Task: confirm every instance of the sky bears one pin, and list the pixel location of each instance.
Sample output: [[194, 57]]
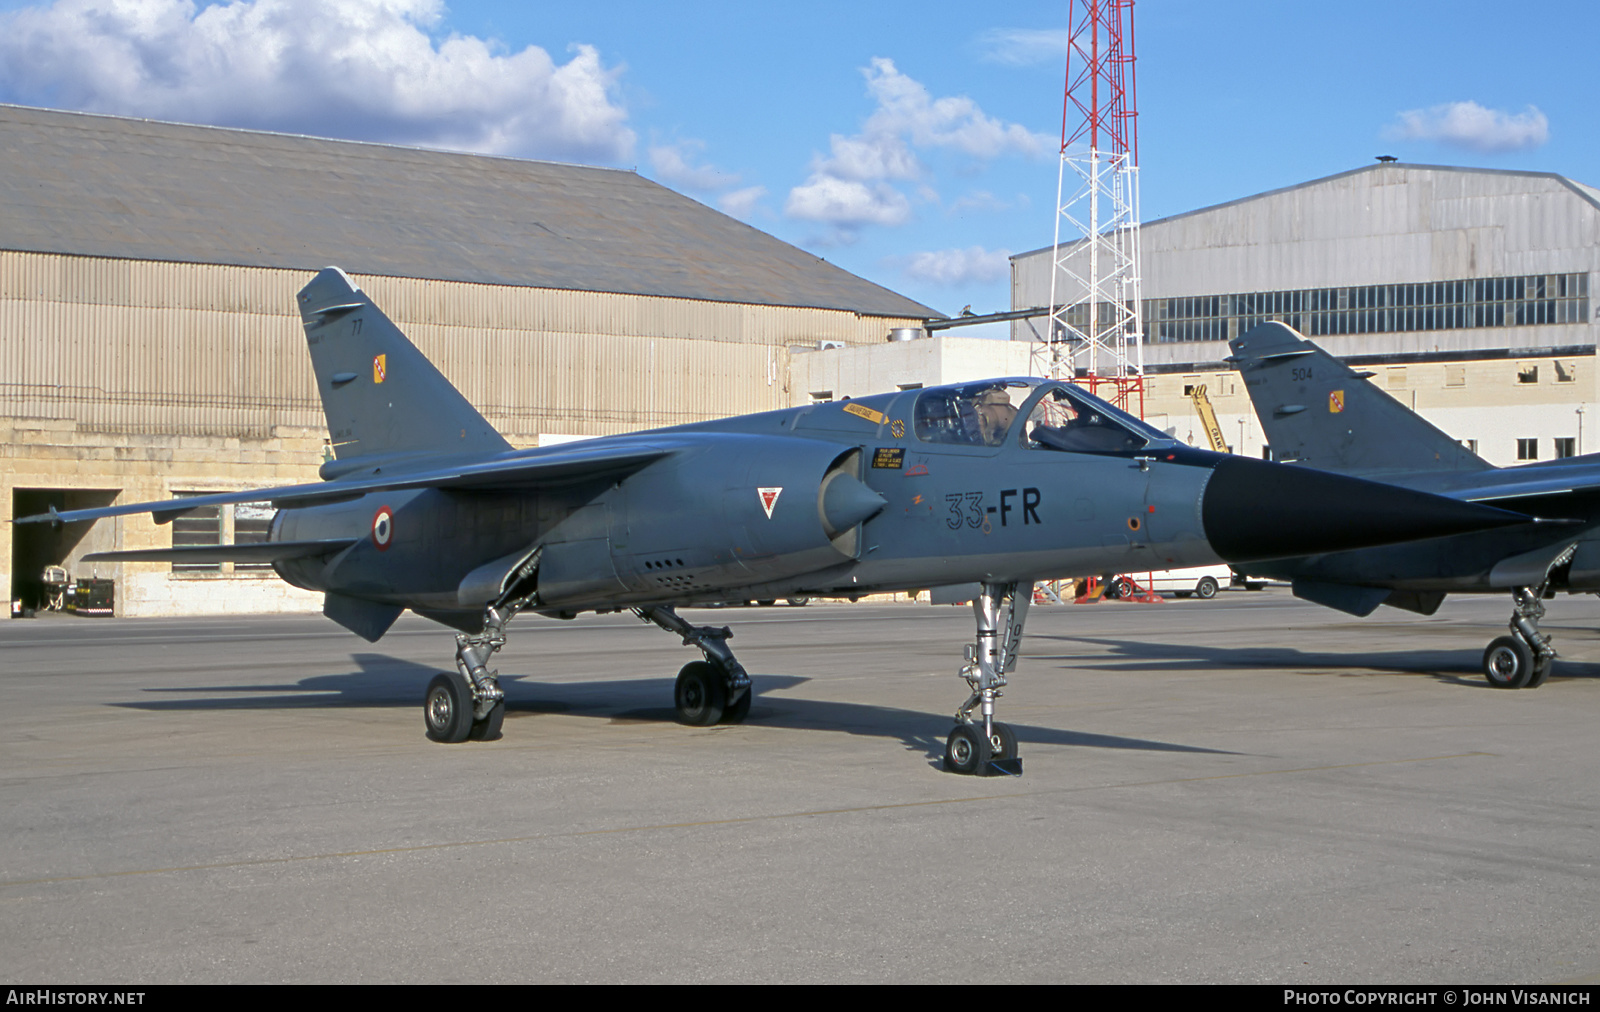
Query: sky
[[916, 144]]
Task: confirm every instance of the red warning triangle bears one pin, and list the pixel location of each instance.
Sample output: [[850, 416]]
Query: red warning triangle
[[769, 498]]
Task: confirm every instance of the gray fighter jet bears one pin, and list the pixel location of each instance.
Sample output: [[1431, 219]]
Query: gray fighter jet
[[1319, 413], [993, 485]]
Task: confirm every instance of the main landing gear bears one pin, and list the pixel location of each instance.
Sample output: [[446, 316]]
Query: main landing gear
[[983, 745], [468, 703], [713, 691], [1523, 659]]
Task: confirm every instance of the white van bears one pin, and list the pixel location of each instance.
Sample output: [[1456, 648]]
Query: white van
[[1200, 581]]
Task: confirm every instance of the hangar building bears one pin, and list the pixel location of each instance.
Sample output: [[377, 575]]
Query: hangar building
[[149, 344], [1465, 291]]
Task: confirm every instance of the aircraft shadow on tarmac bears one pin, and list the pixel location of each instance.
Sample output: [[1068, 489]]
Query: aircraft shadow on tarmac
[[382, 681], [1450, 666]]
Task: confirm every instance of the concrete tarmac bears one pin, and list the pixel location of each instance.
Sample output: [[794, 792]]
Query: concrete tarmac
[[1251, 789]]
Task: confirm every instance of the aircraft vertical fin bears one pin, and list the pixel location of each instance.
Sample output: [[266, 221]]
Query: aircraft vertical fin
[[380, 394], [1317, 411]]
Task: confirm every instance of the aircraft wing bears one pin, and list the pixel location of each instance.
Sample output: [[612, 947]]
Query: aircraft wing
[[1566, 487], [1573, 487], [558, 466], [261, 551]]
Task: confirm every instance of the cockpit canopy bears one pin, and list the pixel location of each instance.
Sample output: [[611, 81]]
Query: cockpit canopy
[[978, 414], [1058, 417]]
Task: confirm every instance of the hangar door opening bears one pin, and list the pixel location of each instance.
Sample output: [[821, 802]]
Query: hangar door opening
[[36, 547]]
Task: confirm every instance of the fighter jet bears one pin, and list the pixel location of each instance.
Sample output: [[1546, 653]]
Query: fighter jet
[[993, 485], [1319, 413]]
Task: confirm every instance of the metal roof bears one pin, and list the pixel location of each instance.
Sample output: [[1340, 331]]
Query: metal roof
[[1380, 172], [89, 185]]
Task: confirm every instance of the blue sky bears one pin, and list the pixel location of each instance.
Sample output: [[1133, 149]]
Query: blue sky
[[915, 144]]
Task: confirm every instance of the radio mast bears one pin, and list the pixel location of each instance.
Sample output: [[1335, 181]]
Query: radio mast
[[1095, 332]]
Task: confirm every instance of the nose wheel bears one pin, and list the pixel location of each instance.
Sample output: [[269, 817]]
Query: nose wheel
[[968, 751]]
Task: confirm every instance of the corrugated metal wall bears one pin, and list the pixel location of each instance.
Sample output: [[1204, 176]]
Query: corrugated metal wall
[[159, 348], [1379, 225]]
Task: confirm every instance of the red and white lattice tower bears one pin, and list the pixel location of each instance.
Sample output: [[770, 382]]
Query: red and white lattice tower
[[1095, 332]]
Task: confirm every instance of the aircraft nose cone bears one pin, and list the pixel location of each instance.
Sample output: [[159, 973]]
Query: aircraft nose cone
[[1254, 510], [846, 502]]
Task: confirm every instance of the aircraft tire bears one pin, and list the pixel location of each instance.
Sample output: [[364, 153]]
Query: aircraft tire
[[1206, 589], [1002, 742], [1541, 671], [799, 602], [488, 729], [1508, 663], [700, 694], [966, 750], [767, 603], [735, 713], [447, 708]]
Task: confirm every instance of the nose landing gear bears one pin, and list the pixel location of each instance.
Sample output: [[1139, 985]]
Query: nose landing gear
[[980, 744]]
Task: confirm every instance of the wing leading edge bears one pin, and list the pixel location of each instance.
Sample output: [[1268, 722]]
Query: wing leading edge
[[263, 551], [565, 465]]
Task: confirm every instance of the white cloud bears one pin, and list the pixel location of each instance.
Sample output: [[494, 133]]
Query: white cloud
[[674, 165], [1470, 125], [359, 69], [879, 156], [906, 108], [1024, 47], [847, 203], [742, 203], [957, 266], [849, 188]]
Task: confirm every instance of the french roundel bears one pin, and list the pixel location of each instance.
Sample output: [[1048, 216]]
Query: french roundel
[[382, 528]]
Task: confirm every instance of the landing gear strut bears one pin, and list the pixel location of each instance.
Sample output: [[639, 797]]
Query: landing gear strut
[[1523, 659], [982, 744], [713, 691], [468, 703]]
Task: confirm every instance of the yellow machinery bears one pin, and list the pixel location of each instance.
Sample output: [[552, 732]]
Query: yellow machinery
[[1208, 418]]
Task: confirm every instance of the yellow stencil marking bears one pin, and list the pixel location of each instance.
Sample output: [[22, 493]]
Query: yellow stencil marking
[[862, 411]]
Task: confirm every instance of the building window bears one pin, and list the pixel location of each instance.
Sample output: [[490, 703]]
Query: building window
[[1527, 449], [246, 523], [252, 522], [821, 396], [1471, 445], [1455, 375], [1528, 373], [1530, 300], [1565, 370], [202, 526], [1566, 446]]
